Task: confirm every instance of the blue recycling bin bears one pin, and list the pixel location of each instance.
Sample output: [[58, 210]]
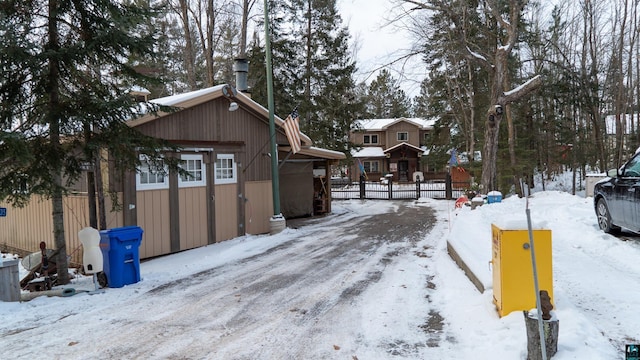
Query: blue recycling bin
[[494, 197], [121, 255]]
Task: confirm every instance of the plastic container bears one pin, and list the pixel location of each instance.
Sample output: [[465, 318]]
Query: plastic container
[[494, 197], [121, 255]]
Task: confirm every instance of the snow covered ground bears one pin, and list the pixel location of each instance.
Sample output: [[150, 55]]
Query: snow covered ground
[[419, 304]]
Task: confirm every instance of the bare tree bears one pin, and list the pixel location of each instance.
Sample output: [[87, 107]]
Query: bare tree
[[499, 99]]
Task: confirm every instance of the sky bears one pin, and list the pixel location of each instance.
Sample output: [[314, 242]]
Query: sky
[[379, 43], [595, 285]]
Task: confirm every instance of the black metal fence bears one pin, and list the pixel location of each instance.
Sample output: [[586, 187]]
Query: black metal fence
[[435, 188]]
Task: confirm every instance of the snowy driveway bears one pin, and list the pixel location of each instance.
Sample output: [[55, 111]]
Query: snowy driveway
[[333, 288]]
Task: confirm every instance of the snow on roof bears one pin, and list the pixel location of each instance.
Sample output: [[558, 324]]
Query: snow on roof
[[368, 152], [382, 124], [139, 89], [178, 98]]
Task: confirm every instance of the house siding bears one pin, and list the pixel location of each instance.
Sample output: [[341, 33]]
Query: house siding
[[23, 229], [212, 125]]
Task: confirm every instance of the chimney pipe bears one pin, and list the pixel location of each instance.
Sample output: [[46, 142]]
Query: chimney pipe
[[241, 68]]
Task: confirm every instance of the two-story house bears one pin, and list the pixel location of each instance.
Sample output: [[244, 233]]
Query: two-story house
[[390, 146]]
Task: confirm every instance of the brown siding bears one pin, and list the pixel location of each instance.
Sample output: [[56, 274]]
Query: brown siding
[[358, 137], [212, 125], [402, 126], [193, 217], [153, 218], [226, 204], [259, 206]]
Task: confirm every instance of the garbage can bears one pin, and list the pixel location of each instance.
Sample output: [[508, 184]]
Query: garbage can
[[9, 280], [121, 256]]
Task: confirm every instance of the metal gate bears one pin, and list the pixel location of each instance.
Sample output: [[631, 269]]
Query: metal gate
[[435, 188]]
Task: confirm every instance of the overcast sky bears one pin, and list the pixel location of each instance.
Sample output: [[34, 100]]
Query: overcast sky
[[378, 43]]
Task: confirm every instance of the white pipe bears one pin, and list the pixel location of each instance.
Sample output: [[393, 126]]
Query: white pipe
[[56, 292]]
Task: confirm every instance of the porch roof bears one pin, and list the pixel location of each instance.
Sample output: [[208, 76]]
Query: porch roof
[[318, 152], [369, 152]]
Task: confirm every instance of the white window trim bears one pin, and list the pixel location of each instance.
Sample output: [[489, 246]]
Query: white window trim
[[193, 183], [402, 132], [231, 180], [154, 186], [370, 163]]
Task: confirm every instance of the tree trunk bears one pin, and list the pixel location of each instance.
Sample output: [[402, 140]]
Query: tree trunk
[[100, 191], [53, 84], [188, 46], [551, 329], [91, 198]]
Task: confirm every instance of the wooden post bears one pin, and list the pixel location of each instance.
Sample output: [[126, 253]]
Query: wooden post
[[551, 330]]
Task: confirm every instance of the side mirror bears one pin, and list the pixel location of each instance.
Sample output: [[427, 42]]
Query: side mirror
[[612, 173]]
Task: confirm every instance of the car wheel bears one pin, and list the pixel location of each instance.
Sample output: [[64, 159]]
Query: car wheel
[[604, 218]]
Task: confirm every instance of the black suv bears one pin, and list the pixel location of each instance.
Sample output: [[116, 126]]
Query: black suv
[[617, 198]]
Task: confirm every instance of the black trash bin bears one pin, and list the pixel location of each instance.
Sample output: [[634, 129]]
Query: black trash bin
[[121, 255]]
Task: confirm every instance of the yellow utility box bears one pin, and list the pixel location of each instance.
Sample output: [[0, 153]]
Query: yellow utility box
[[513, 284]]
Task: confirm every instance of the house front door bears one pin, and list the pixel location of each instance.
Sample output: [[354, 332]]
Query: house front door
[[403, 170]]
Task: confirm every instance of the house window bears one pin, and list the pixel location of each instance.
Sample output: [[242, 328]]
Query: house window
[[151, 176], [225, 169], [403, 136], [371, 166], [371, 139], [194, 165], [426, 138]]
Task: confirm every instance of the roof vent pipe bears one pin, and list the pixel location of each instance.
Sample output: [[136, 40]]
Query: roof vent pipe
[[241, 68]]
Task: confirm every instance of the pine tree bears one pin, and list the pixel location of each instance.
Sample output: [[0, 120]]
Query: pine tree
[[312, 70], [67, 96], [386, 99]]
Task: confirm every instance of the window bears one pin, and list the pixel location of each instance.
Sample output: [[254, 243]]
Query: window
[[196, 168], [151, 176], [225, 169], [371, 139], [371, 166], [403, 136]]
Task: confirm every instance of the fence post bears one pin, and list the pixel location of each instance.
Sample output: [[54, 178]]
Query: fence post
[[447, 186], [418, 188], [390, 184], [362, 186]]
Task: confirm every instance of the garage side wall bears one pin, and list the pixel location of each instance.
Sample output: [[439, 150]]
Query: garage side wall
[[22, 230]]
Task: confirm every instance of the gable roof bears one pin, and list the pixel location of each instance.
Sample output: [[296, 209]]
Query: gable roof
[[415, 148], [383, 124], [197, 97]]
